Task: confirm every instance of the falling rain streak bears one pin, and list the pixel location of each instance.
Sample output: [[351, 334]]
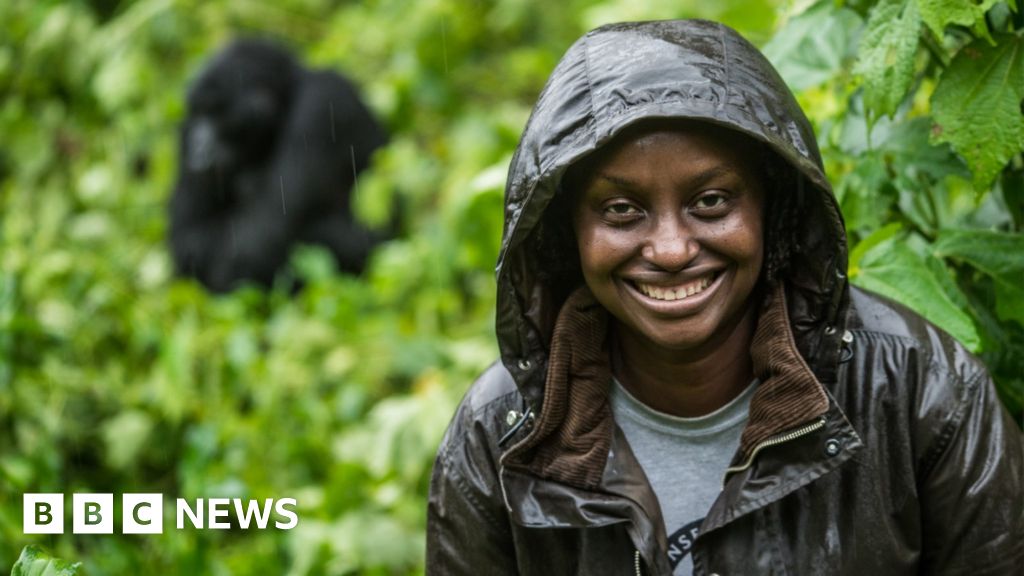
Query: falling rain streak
[[334, 136], [284, 210], [355, 172]]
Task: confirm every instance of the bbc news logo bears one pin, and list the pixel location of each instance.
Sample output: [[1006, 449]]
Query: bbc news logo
[[144, 513]]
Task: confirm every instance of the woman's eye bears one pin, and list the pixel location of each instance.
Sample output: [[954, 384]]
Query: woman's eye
[[621, 209], [710, 201]]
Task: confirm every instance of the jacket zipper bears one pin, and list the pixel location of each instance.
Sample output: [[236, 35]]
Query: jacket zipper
[[773, 441]]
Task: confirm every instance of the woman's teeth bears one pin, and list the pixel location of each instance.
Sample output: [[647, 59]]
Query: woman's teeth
[[677, 292]]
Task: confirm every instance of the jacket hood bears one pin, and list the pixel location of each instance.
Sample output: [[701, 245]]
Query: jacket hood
[[622, 74]]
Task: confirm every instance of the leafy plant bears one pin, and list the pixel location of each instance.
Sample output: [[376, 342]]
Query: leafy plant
[[34, 562], [918, 109]]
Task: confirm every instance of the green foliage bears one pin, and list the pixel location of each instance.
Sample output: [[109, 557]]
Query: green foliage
[[977, 105], [813, 45], [921, 130], [996, 255], [892, 268], [940, 13], [887, 55], [34, 562], [116, 377]]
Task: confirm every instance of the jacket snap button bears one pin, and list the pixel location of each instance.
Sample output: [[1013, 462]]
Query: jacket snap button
[[524, 364], [832, 447], [511, 417]]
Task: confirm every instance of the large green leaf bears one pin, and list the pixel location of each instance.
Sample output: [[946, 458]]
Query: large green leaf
[[35, 562], [809, 50], [895, 270], [937, 14], [887, 55], [996, 254], [977, 105]]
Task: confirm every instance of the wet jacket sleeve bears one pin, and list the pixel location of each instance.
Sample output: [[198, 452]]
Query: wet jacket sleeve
[[467, 526], [972, 496]]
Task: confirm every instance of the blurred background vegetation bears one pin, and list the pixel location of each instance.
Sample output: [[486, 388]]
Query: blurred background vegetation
[[116, 377]]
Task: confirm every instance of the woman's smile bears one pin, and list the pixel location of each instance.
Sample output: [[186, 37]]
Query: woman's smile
[[676, 292], [679, 292]]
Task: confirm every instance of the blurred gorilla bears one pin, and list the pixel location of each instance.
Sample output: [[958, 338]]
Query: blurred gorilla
[[268, 156]]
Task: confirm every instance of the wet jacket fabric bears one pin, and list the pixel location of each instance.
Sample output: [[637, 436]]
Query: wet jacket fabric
[[875, 443]]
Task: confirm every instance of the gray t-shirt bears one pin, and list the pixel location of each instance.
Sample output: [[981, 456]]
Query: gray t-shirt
[[684, 459]]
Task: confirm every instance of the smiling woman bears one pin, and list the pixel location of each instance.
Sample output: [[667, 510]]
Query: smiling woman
[[688, 383]]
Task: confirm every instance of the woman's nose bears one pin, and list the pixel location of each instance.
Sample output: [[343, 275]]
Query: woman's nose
[[670, 246]]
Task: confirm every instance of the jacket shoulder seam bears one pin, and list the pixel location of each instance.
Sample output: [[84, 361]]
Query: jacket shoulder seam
[[459, 482], [926, 350], [964, 386], [951, 426], [883, 334], [476, 411], [456, 476]]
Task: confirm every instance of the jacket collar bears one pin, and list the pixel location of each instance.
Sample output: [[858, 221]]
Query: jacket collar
[[570, 440]]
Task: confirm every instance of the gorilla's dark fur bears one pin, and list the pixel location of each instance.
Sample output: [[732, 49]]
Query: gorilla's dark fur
[[268, 157]]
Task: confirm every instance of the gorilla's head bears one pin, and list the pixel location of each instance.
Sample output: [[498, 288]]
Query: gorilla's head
[[237, 104]]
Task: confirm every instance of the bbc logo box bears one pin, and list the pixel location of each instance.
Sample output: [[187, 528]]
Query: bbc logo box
[[43, 514], [93, 514]]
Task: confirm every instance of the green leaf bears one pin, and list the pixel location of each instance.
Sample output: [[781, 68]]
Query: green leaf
[[864, 246], [998, 255], [887, 55], [809, 50], [976, 105], [938, 14], [894, 270], [35, 562]]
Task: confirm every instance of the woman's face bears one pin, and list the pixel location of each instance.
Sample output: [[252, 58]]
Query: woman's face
[[669, 228]]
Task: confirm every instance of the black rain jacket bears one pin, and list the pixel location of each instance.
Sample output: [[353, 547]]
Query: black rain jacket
[[875, 444]]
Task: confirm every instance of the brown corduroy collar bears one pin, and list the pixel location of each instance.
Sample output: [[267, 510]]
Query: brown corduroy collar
[[570, 440]]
